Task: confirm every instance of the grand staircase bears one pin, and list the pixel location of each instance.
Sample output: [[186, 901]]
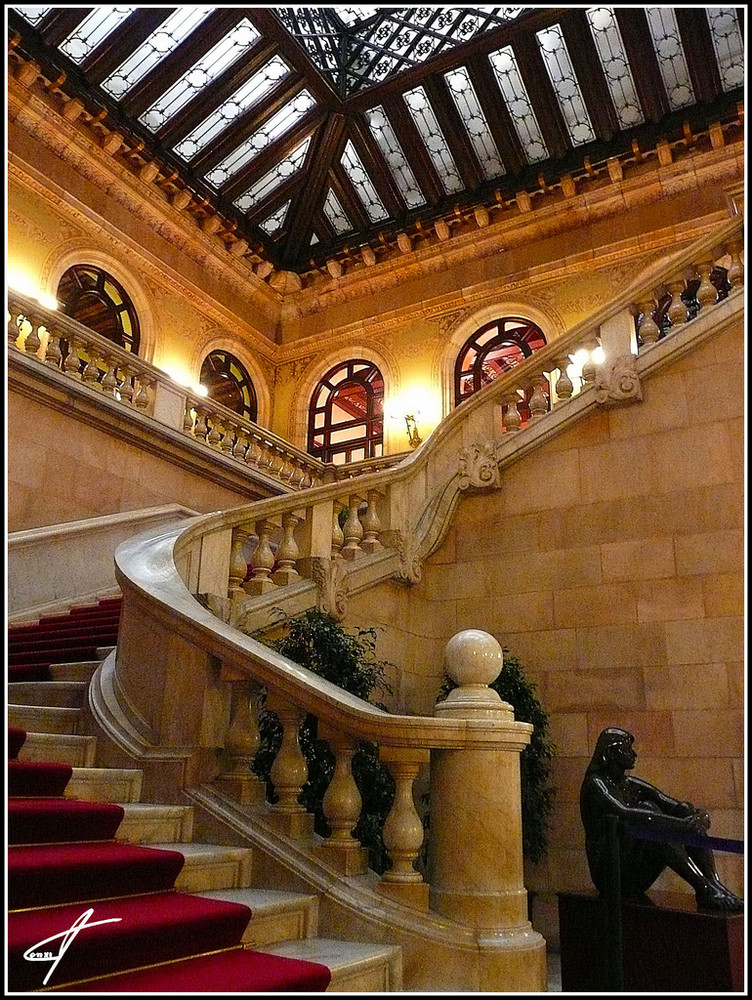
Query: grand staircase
[[182, 916]]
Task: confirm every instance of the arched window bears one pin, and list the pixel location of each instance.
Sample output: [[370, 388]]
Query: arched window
[[227, 382], [493, 350], [346, 415], [94, 298]]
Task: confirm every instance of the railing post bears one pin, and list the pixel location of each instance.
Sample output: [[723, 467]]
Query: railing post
[[289, 771], [403, 830], [287, 551], [342, 804], [262, 561], [241, 744], [353, 529], [476, 823]]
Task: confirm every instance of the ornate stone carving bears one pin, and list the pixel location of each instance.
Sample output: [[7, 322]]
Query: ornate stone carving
[[478, 468], [410, 568], [617, 381], [330, 577]]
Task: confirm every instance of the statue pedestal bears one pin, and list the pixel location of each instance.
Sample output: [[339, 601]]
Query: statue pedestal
[[668, 945]]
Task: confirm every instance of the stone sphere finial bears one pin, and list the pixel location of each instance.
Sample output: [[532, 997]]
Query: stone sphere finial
[[473, 660]]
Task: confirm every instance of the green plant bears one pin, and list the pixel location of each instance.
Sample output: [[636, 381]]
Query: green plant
[[316, 641], [535, 761]]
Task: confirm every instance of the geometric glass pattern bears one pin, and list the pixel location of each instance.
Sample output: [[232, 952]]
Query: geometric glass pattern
[[275, 221], [363, 184], [568, 94], [264, 186], [433, 139], [525, 123], [94, 298], [346, 414], [670, 54], [33, 14], [336, 214], [227, 382], [493, 350], [399, 168], [474, 120], [613, 59], [92, 31], [727, 42]]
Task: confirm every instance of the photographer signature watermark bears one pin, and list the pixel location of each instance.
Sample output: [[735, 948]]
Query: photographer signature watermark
[[37, 953]]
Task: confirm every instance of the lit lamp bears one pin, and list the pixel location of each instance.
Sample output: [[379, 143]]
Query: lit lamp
[[413, 436]]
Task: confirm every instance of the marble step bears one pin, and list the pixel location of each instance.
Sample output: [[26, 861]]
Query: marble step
[[43, 719], [277, 916], [78, 751], [82, 670], [357, 967], [210, 867], [105, 784], [49, 694], [145, 823]]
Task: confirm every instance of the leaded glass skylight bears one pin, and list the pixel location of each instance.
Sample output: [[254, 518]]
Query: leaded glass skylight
[[33, 14], [433, 138], [277, 125], [670, 54], [272, 179], [92, 31], [335, 214], [613, 59], [464, 96], [159, 44], [276, 220], [242, 99], [200, 75], [727, 42], [520, 109], [400, 169], [559, 67], [364, 187]]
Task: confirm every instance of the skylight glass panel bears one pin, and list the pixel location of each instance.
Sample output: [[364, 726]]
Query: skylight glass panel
[[271, 180], [353, 15], [277, 125], [200, 75], [276, 220], [568, 94], [336, 214], [92, 31], [400, 169], [243, 98], [518, 104], [33, 14], [433, 138], [727, 42], [364, 187], [158, 45], [670, 54], [464, 96], [616, 69]]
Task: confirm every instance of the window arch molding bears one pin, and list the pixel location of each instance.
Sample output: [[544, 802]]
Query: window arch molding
[[547, 318], [259, 377], [387, 365], [143, 303]]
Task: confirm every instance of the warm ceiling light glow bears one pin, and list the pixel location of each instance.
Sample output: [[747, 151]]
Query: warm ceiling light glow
[[201, 390], [22, 282]]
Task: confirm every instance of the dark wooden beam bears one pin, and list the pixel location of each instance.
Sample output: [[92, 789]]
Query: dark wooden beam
[[187, 53], [638, 43], [497, 115], [246, 124], [700, 53], [454, 130], [376, 166], [587, 67], [414, 150], [541, 93], [61, 22], [121, 44], [325, 152]]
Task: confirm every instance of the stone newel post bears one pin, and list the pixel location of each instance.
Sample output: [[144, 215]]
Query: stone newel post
[[476, 818]]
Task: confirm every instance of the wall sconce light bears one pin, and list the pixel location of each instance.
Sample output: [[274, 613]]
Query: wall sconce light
[[413, 436]]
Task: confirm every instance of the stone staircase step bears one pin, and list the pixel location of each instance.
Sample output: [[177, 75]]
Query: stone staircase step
[[211, 866], [48, 694], [145, 823], [277, 916], [104, 651], [43, 719], [80, 671], [105, 784], [78, 751], [356, 967]]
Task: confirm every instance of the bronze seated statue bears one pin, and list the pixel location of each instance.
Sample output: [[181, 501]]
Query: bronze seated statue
[[608, 791]]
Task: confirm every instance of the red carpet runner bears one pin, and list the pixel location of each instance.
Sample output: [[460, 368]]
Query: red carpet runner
[[88, 914]]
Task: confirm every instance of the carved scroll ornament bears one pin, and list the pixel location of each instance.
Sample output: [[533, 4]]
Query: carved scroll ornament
[[478, 468], [617, 381], [330, 577]]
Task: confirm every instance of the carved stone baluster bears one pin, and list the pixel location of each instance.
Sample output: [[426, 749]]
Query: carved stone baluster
[[736, 268], [238, 564], [287, 552], [511, 421], [648, 329], [228, 438], [289, 772], [33, 341], [142, 398], [564, 387], [241, 744], [262, 561], [264, 459], [538, 403], [90, 374], [338, 537], [72, 362], [276, 462], [589, 367], [215, 434], [403, 830], [342, 804], [108, 385], [296, 472], [188, 418], [201, 429], [677, 311], [14, 332], [353, 529], [253, 452], [240, 445], [372, 523], [707, 293], [53, 355]]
